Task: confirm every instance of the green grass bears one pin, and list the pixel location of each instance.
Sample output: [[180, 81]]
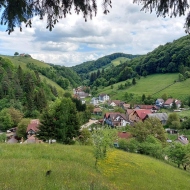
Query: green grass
[[150, 85], [23, 166], [22, 61], [119, 60]]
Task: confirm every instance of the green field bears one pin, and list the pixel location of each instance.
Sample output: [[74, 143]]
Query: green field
[[150, 85], [24, 166], [119, 60], [22, 61]]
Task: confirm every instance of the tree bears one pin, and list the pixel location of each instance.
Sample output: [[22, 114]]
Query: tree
[[16, 115], [178, 154], [22, 127], [5, 120], [103, 139], [186, 123], [150, 126], [16, 53], [60, 119], [173, 117], [18, 11], [167, 8], [134, 81], [47, 130], [164, 97]]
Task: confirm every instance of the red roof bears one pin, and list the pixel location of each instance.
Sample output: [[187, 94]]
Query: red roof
[[169, 101], [33, 127], [142, 113], [124, 135], [146, 106]]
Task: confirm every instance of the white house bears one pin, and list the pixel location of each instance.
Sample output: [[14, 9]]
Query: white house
[[94, 101], [103, 97]]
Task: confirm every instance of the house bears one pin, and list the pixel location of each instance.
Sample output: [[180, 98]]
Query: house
[[147, 107], [169, 102], [122, 135], [159, 102], [114, 103], [125, 106], [12, 140], [32, 127], [103, 97], [163, 117], [139, 115], [116, 119], [94, 101], [97, 111], [182, 139]]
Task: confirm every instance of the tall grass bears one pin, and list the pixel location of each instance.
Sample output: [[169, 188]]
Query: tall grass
[[24, 166]]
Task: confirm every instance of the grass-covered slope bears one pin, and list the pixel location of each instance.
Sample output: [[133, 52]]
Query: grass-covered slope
[[24, 166], [155, 85]]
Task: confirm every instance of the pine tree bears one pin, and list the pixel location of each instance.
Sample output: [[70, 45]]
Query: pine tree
[[47, 129]]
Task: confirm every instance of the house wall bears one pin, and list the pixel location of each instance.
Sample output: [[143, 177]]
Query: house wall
[[134, 117]]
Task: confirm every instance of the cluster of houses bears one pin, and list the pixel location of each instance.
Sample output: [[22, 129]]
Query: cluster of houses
[[135, 114], [31, 131]]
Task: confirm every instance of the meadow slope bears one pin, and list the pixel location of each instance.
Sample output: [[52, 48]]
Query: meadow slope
[[151, 85], [24, 166]]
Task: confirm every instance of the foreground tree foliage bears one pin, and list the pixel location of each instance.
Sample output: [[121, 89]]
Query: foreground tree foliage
[[60, 121], [18, 11]]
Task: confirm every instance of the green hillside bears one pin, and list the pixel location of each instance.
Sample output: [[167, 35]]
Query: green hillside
[[150, 85], [22, 61], [119, 60], [24, 166]]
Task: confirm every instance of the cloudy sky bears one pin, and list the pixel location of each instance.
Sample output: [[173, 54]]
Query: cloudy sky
[[73, 41]]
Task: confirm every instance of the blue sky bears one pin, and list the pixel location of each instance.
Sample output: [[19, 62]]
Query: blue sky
[[73, 41]]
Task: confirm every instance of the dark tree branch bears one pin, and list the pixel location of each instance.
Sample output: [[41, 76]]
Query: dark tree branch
[[172, 8]]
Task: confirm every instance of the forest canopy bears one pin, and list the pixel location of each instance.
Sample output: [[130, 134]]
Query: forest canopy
[[14, 12]]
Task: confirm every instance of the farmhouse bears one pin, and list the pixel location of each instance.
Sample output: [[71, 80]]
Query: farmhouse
[[169, 102], [32, 127], [115, 119], [139, 115]]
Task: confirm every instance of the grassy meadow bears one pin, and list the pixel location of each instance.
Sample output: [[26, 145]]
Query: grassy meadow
[[150, 85], [24, 166], [119, 60]]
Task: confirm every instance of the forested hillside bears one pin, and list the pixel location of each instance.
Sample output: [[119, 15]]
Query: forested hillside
[[169, 58], [89, 66], [23, 90], [63, 76]]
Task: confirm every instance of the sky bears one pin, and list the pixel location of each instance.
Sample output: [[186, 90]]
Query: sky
[[73, 41]]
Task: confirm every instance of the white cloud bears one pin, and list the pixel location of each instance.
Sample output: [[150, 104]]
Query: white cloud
[[73, 41]]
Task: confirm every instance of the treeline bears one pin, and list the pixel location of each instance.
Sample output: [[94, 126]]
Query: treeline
[[63, 76], [23, 90], [89, 66]]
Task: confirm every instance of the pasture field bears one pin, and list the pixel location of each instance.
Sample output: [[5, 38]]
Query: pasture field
[[154, 85], [24, 166]]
